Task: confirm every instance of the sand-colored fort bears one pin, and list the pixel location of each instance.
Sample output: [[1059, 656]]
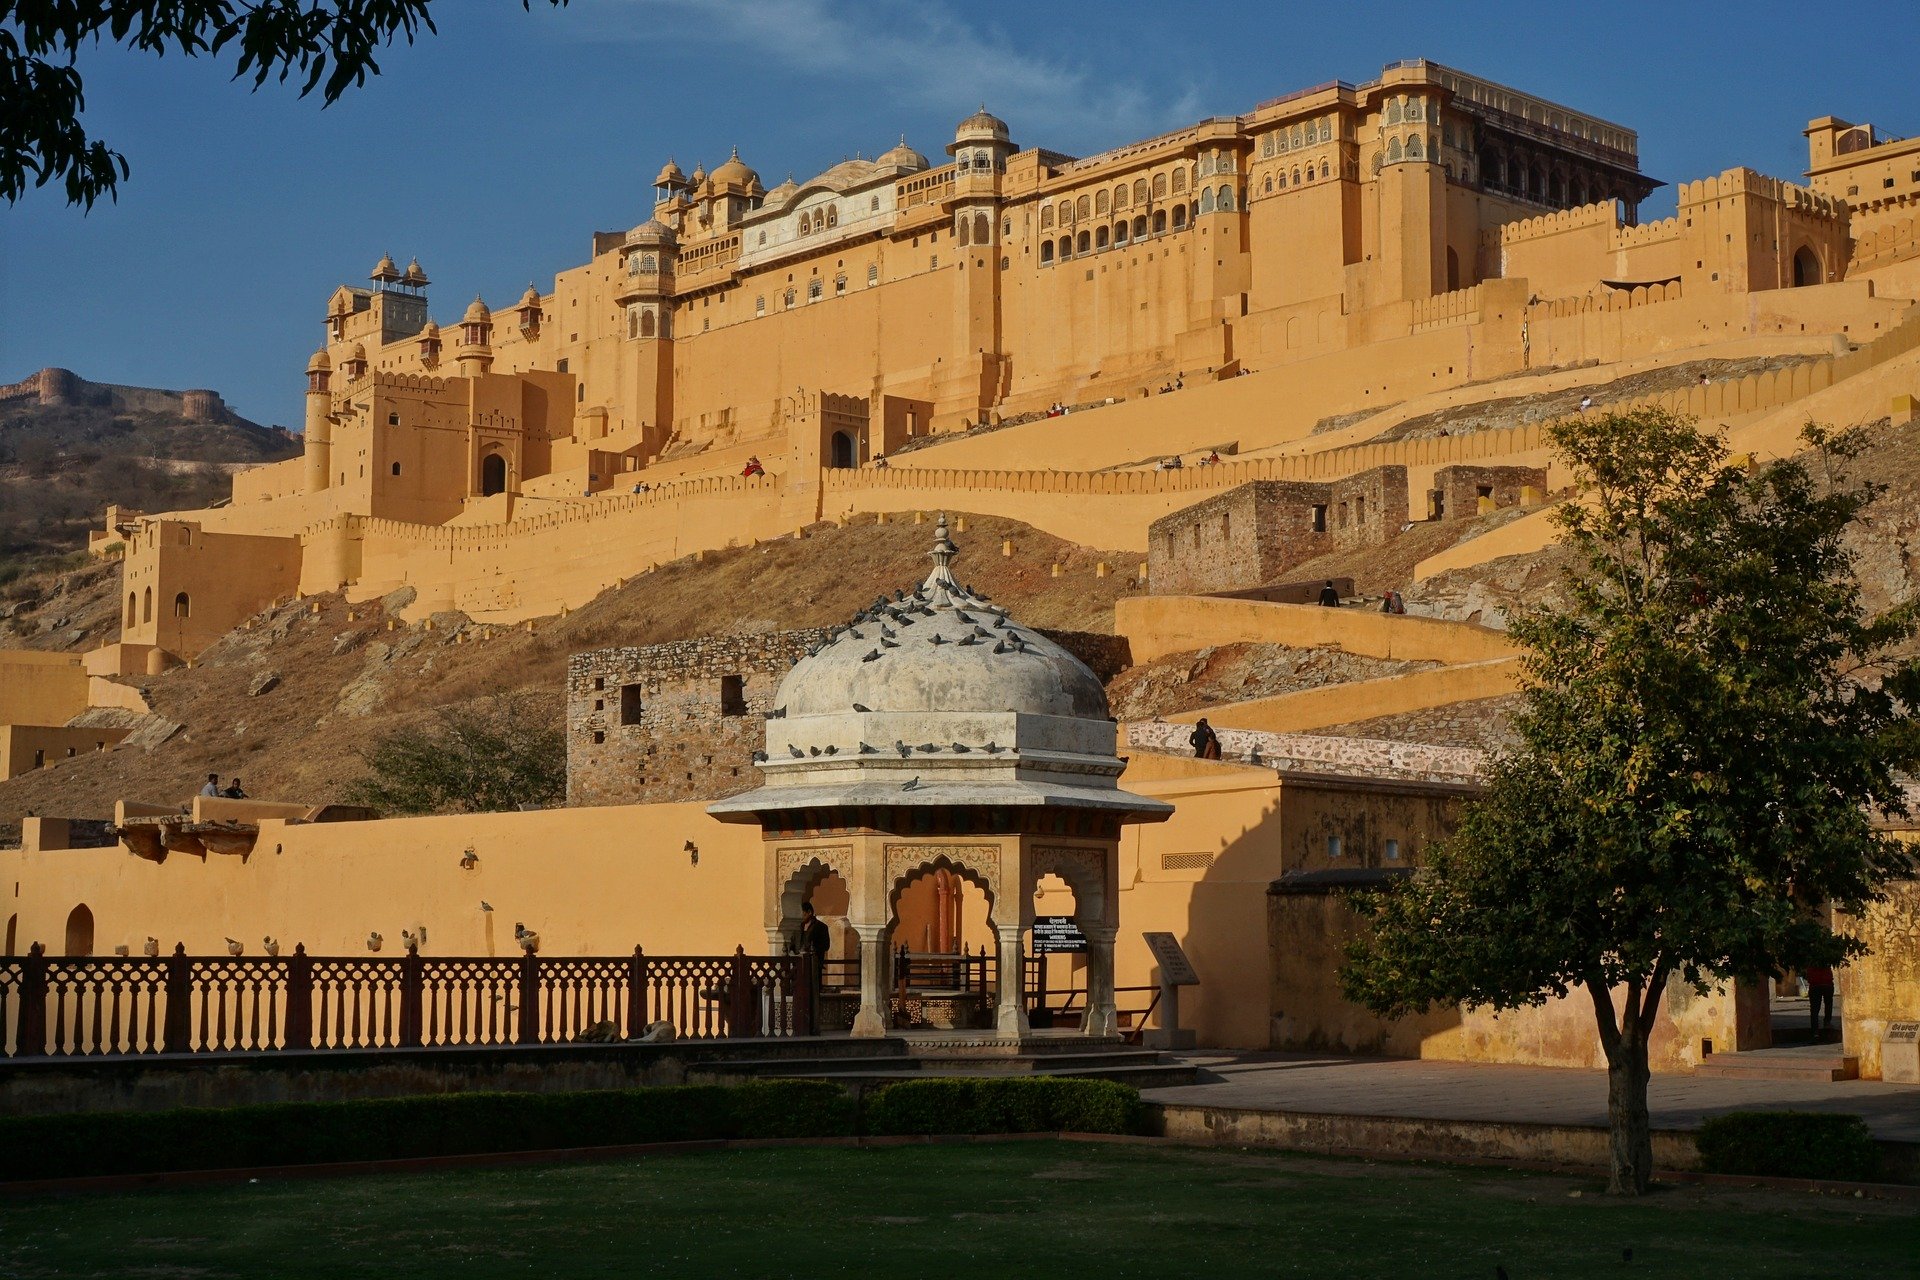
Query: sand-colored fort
[[1282, 288]]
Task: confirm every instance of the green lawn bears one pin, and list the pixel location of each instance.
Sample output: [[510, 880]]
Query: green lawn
[[1043, 1208]]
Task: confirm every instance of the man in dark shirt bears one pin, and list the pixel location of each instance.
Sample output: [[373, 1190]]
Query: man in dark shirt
[[813, 942], [1330, 595]]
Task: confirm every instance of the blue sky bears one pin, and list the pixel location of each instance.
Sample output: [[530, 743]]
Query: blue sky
[[495, 149]]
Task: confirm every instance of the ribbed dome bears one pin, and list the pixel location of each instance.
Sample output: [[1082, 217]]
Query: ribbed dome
[[981, 125], [779, 195], [734, 173], [531, 298], [652, 231], [902, 156], [477, 312], [384, 269], [941, 648], [670, 176], [415, 276], [358, 352], [431, 332], [319, 363]]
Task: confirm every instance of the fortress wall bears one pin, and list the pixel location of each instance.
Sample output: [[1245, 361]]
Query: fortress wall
[[41, 688], [1273, 406], [1308, 709], [271, 481], [1159, 625], [889, 338], [1556, 252], [329, 885], [1106, 320]]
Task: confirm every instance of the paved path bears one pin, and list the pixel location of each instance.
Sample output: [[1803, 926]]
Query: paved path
[[1541, 1095]]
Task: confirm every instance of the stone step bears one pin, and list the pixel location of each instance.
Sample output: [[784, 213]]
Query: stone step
[[1038, 1063], [1766, 1064], [1144, 1071]]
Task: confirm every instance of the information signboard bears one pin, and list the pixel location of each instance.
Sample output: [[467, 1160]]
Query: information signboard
[[1175, 969], [1057, 934]]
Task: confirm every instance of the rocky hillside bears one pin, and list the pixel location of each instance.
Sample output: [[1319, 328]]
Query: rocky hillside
[[289, 703], [69, 448]]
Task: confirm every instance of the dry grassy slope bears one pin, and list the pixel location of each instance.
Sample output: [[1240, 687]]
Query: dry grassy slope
[[1512, 411], [342, 683]]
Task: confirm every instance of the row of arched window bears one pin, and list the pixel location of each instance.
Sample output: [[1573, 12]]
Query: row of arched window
[[1103, 202], [1279, 181], [182, 606], [1310, 133], [820, 219], [974, 230], [1123, 233]]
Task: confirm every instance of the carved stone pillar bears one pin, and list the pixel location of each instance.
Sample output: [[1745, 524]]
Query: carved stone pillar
[[776, 940], [1011, 1017], [871, 1021], [1101, 1019]]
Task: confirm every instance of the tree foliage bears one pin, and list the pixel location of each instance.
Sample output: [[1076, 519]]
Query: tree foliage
[[1711, 724], [486, 757], [328, 45]]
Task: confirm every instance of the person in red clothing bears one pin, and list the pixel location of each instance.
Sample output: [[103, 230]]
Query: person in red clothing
[[753, 468], [1819, 998]]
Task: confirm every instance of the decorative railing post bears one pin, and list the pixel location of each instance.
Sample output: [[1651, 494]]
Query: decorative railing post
[[300, 998], [527, 1031], [412, 979], [178, 1037], [31, 1032], [742, 1017], [805, 986], [983, 971], [903, 969], [637, 995]]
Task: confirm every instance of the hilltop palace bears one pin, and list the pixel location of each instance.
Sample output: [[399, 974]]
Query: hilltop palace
[[1283, 288]]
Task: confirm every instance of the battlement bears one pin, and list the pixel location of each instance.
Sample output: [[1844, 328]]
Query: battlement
[[1604, 214], [1736, 183], [1610, 300]]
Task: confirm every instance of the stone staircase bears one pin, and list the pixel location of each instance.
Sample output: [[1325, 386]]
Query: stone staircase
[[1822, 1062], [945, 1054]]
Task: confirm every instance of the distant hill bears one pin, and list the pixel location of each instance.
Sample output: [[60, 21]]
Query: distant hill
[[70, 447]]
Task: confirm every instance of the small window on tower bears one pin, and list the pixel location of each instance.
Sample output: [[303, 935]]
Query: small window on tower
[[396, 468], [733, 696], [631, 705]]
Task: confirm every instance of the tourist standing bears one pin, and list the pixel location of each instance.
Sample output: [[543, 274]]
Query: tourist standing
[[1330, 595], [1819, 998], [1204, 741]]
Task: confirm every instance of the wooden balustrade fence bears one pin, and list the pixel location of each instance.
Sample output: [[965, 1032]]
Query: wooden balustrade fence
[[69, 1007]]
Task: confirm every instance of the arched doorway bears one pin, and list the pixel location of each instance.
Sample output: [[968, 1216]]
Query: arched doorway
[[816, 882], [1806, 267], [80, 931], [946, 967], [493, 475], [842, 451]]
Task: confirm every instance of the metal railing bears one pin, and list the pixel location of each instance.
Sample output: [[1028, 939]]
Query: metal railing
[[84, 1007]]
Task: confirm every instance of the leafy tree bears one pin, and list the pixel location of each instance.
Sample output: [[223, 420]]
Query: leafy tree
[[328, 45], [484, 758], [1711, 722]]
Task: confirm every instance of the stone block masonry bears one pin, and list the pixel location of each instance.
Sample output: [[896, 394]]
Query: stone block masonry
[[680, 721], [1251, 535]]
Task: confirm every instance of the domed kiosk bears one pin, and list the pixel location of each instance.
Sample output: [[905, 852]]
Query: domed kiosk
[[936, 736]]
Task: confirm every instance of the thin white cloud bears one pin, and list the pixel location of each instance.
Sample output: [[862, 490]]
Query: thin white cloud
[[919, 53]]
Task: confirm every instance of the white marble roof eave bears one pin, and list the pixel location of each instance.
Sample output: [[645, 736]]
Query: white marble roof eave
[[938, 794]]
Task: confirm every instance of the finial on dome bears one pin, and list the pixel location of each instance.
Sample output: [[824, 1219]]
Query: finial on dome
[[941, 580]]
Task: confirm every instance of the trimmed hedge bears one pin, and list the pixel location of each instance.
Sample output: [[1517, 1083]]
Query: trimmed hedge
[[66, 1146], [1790, 1144], [1021, 1104], [292, 1133]]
